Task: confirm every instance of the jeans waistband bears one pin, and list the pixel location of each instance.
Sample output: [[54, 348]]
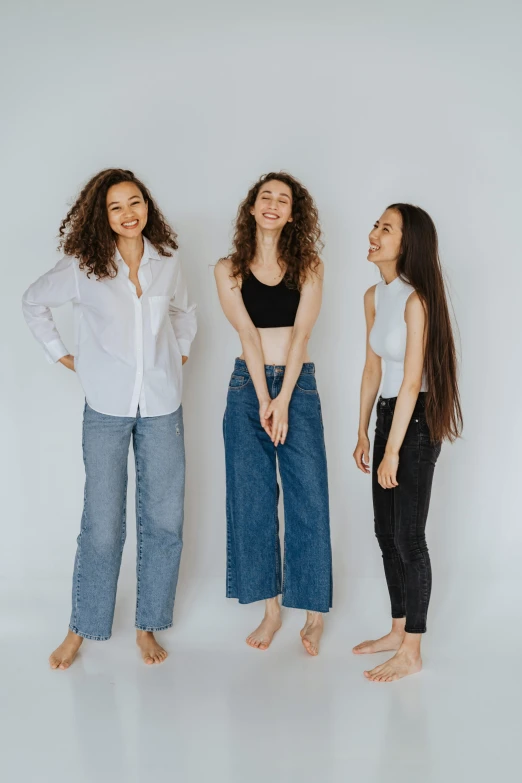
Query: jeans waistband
[[387, 404], [273, 369]]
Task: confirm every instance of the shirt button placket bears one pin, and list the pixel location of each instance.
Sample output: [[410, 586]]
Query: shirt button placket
[[138, 397]]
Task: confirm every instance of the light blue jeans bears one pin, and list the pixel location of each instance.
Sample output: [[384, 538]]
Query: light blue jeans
[[160, 486]]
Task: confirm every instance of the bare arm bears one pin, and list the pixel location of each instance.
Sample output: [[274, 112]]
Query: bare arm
[[306, 316], [415, 318], [236, 312], [371, 380]]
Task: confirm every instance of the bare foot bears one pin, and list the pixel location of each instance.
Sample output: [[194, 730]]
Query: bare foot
[[262, 637], [151, 651], [65, 654], [312, 632], [391, 641], [401, 665]]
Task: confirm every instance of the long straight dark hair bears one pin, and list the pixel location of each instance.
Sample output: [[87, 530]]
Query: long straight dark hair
[[419, 265]]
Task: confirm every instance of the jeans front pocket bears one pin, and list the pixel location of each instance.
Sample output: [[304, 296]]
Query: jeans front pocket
[[307, 383], [159, 308], [238, 381]]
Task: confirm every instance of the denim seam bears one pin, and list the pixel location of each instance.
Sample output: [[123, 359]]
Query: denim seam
[[416, 528], [78, 554], [279, 585], [139, 536], [227, 513], [401, 569]]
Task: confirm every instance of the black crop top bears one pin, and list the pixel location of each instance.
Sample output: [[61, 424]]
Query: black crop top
[[269, 305]]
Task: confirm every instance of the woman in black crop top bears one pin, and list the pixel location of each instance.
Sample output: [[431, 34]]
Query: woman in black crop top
[[270, 289]]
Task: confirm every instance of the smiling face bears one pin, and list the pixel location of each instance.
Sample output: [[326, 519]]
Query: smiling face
[[126, 210], [386, 238], [272, 208]]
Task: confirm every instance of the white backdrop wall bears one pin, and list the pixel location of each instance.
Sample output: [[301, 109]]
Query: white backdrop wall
[[367, 103]]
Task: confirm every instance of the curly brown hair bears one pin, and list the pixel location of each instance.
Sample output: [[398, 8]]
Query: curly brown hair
[[300, 241], [85, 232]]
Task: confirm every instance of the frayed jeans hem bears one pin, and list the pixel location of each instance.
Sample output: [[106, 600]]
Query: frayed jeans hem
[[153, 629], [89, 636], [254, 600]]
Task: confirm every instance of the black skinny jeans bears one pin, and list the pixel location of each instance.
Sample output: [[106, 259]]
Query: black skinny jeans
[[400, 514]]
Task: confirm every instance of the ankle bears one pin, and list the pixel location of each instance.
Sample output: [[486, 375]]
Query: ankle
[[411, 645], [398, 627], [272, 608]]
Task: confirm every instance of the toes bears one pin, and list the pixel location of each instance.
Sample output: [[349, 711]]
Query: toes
[[310, 648], [263, 646]]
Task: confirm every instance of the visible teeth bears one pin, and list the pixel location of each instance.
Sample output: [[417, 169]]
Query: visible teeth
[[132, 223]]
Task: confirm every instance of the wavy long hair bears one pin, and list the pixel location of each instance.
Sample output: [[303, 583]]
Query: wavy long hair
[[300, 241], [85, 232], [419, 265]]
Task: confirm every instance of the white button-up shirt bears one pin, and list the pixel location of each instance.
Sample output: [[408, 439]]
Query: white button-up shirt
[[129, 349]]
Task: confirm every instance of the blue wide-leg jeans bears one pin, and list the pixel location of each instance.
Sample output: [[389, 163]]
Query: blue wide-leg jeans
[[160, 485], [254, 568]]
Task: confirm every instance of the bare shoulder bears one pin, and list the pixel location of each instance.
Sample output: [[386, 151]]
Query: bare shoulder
[[369, 299], [223, 268], [369, 296], [414, 304], [414, 311], [319, 267], [314, 275]]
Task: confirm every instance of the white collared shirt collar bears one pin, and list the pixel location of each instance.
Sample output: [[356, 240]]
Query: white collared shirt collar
[[149, 251]]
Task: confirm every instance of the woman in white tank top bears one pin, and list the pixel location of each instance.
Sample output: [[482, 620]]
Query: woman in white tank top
[[409, 330]]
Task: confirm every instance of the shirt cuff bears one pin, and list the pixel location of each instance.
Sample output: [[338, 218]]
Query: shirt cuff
[[55, 350], [184, 347]]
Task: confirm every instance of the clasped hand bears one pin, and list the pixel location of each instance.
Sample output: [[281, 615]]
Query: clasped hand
[[274, 419]]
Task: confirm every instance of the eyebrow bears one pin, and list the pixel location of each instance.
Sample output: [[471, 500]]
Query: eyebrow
[[384, 224], [117, 202], [279, 194]]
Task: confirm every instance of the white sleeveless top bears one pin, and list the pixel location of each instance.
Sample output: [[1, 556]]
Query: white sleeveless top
[[388, 334]]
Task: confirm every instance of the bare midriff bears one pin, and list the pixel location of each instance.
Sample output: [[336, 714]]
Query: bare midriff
[[275, 343]]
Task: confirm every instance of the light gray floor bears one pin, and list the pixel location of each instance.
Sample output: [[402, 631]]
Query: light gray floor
[[219, 711]]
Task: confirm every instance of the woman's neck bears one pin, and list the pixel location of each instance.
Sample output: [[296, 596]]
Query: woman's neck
[[131, 249], [389, 271], [266, 248]]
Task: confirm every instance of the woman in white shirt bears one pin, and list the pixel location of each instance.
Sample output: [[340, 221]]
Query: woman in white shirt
[[134, 328], [409, 327]]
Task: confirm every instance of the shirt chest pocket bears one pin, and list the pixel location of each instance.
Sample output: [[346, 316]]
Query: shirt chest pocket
[[159, 310]]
